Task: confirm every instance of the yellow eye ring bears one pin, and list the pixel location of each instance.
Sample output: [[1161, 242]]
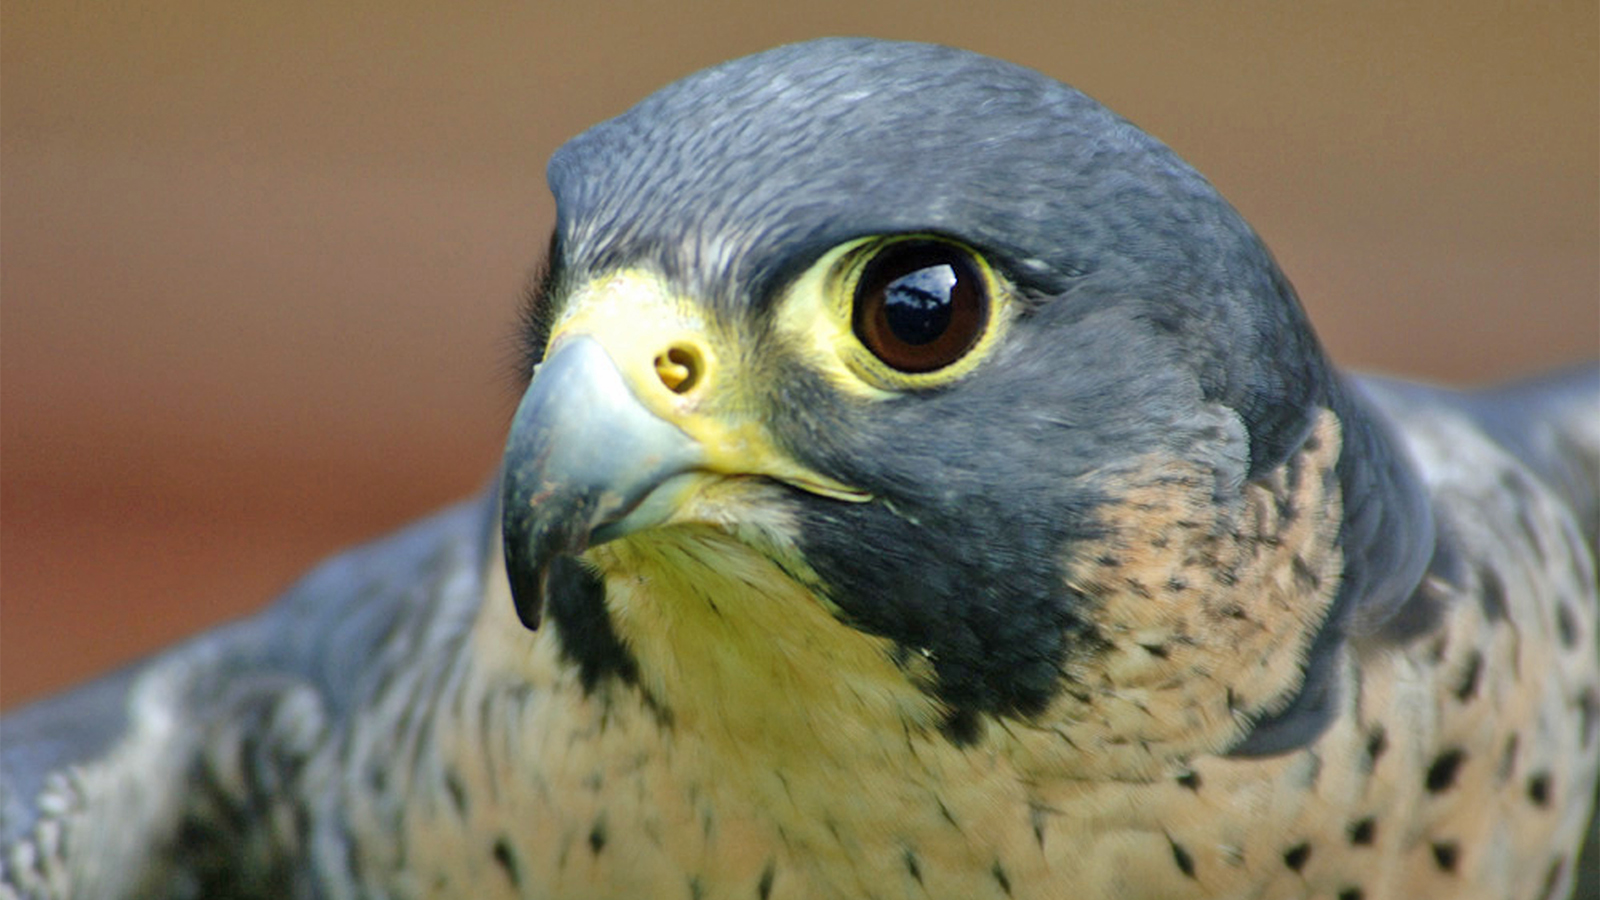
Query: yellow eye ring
[[922, 310]]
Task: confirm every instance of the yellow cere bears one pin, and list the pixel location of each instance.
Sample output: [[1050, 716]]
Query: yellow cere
[[688, 370]]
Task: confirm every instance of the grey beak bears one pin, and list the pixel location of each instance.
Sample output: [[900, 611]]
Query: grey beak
[[582, 461]]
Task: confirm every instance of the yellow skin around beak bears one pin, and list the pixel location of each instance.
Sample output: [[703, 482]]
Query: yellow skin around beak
[[686, 371], [638, 406]]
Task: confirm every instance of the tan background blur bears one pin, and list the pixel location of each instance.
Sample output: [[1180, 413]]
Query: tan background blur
[[259, 261]]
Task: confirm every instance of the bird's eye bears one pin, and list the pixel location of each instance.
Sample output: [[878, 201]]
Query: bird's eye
[[920, 305]]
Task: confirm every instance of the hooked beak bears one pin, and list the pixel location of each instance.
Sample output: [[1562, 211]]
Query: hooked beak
[[586, 462], [637, 405]]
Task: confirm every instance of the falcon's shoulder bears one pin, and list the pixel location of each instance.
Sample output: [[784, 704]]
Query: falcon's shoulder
[[1513, 476], [185, 772], [1512, 479]]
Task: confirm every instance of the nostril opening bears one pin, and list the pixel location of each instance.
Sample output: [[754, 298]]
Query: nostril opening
[[679, 368]]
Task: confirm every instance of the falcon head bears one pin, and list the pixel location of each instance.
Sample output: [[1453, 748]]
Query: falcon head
[[919, 376]]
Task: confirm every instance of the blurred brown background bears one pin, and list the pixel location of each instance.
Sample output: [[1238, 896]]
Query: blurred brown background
[[259, 261]]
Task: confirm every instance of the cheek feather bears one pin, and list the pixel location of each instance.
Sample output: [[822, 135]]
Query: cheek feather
[[1206, 606]]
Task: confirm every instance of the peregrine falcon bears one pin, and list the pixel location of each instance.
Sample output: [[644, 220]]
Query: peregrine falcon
[[927, 485]]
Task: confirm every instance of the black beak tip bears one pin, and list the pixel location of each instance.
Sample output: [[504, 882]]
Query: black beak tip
[[531, 546], [527, 594]]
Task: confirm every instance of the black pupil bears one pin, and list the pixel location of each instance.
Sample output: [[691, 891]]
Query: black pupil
[[917, 306]]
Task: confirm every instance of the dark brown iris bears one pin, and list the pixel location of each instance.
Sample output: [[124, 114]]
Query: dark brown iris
[[920, 305]]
